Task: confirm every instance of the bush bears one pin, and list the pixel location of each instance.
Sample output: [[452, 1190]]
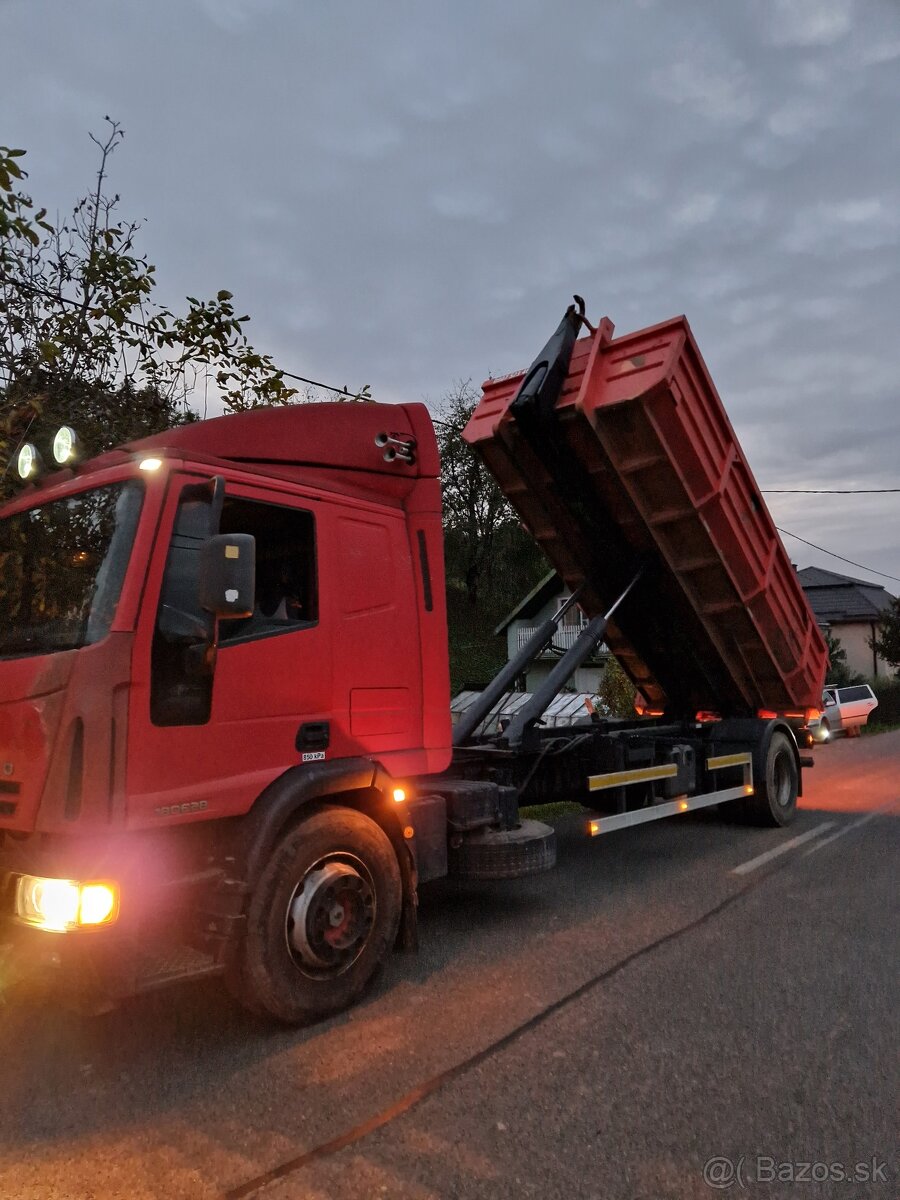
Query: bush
[[616, 693], [888, 693]]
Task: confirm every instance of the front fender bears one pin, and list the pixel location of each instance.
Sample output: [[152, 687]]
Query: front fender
[[277, 806]]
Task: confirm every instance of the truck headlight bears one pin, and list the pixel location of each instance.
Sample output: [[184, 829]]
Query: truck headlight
[[62, 904]]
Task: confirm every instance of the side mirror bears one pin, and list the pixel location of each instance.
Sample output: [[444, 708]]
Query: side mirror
[[830, 702], [228, 575]]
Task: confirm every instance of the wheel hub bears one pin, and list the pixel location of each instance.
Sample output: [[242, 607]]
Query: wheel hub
[[330, 916]]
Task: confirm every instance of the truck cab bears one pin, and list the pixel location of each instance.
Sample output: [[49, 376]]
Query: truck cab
[[148, 743]]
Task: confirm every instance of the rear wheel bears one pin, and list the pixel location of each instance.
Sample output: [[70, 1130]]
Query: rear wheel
[[774, 800], [321, 920]]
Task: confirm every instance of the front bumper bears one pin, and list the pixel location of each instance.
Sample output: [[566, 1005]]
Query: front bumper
[[94, 968]]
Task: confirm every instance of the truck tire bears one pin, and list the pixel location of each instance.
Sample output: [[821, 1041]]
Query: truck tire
[[321, 920], [774, 802]]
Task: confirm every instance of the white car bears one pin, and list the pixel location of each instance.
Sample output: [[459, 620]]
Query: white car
[[844, 710]]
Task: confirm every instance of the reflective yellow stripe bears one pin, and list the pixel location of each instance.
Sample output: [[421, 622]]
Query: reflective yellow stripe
[[728, 760], [597, 783]]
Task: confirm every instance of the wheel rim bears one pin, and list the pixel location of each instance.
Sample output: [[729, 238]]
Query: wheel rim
[[782, 780], [330, 916]]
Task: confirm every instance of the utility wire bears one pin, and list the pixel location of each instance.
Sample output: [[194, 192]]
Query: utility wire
[[47, 295], [316, 383], [831, 554], [343, 391], [828, 491]]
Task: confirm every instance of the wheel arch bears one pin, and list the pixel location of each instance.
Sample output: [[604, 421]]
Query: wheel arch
[[780, 726], [755, 734]]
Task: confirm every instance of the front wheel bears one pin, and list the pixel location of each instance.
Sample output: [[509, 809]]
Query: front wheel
[[321, 919]]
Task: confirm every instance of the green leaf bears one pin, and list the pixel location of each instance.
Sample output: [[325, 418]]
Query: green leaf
[[224, 295]]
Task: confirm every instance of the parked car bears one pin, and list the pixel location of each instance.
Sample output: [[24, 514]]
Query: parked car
[[844, 710]]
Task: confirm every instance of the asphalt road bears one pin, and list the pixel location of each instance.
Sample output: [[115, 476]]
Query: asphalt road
[[660, 1002]]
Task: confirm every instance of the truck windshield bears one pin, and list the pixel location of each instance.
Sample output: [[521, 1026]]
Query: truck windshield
[[61, 569]]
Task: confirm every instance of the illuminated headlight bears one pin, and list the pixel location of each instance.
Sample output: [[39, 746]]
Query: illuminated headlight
[[62, 904]]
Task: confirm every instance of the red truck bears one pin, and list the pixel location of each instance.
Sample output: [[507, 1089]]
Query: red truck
[[224, 688]]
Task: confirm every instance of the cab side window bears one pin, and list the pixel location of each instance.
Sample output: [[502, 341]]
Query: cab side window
[[286, 580]]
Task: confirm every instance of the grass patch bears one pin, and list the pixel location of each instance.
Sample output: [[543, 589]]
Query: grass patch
[[889, 727], [548, 812]]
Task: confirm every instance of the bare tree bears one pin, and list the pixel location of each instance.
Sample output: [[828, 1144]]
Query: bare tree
[[81, 335]]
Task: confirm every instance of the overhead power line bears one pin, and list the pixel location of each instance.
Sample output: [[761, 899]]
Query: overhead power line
[[832, 554], [26, 285], [344, 391], [328, 387], [828, 491]]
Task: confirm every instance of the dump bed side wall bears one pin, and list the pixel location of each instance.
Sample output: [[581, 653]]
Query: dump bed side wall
[[642, 466]]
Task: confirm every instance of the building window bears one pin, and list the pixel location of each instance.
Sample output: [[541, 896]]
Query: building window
[[574, 616]]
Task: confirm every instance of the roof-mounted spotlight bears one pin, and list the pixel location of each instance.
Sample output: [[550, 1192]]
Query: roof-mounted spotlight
[[66, 446], [29, 464]]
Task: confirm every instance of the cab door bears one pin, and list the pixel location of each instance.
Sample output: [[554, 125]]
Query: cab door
[[210, 730]]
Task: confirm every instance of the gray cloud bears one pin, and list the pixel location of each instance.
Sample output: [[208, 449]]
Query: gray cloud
[[407, 194]]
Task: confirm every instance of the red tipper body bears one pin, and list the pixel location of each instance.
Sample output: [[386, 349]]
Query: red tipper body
[[655, 475]]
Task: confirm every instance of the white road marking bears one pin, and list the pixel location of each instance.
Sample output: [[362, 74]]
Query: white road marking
[[762, 859], [848, 828]]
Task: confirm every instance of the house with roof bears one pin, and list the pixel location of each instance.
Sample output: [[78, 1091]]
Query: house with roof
[[519, 625], [850, 610]]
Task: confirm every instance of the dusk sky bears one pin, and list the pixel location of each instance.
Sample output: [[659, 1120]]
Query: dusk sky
[[407, 195]]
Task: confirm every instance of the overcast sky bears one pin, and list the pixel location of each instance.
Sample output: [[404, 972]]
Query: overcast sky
[[407, 194]]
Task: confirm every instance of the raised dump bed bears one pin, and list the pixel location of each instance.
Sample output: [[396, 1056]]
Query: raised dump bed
[[636, 464]]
